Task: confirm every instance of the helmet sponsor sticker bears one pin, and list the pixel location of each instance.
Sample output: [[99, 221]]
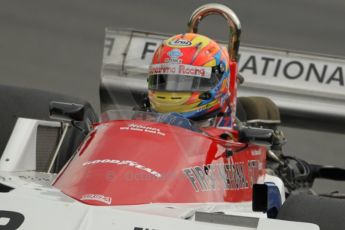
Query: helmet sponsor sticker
[[174, 56], [180, 42], [123, 162], [97, 197], [179, 69], [175, 53], [173, 60]]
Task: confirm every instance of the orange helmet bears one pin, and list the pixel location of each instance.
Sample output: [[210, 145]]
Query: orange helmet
[[189, 74]]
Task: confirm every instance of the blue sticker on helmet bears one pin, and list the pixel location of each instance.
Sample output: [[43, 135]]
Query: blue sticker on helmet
[[175, 53]]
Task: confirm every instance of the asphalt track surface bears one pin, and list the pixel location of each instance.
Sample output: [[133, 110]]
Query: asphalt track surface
[[58, 45]]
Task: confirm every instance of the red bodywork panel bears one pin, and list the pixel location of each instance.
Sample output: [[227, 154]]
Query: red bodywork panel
[[139, 162]]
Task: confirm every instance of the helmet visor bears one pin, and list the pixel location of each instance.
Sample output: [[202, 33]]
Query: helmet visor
[[177, 77]]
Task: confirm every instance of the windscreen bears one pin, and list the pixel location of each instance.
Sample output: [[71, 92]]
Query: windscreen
[[130, 162]]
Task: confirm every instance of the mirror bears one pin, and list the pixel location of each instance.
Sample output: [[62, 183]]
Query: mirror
[[66, 111], [256, 135]]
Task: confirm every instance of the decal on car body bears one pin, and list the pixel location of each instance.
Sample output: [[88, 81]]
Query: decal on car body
[[230, 176], [97, 197], [124, 162], [141, 128]]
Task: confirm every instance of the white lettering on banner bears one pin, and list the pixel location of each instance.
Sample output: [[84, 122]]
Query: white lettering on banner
[[294, 72], [124, 162], [178, 69], [315, 73]]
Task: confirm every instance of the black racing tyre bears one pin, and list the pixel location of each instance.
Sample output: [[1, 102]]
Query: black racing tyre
[[260, 108], [326, 212]]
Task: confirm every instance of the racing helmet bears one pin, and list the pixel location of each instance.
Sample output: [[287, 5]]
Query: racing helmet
[[189, 74]]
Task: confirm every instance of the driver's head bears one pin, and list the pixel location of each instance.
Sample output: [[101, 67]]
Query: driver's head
[[189, 74]]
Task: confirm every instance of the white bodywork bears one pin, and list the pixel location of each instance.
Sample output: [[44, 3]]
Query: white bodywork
[[28, 193], [20, 151], [45, 207]]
